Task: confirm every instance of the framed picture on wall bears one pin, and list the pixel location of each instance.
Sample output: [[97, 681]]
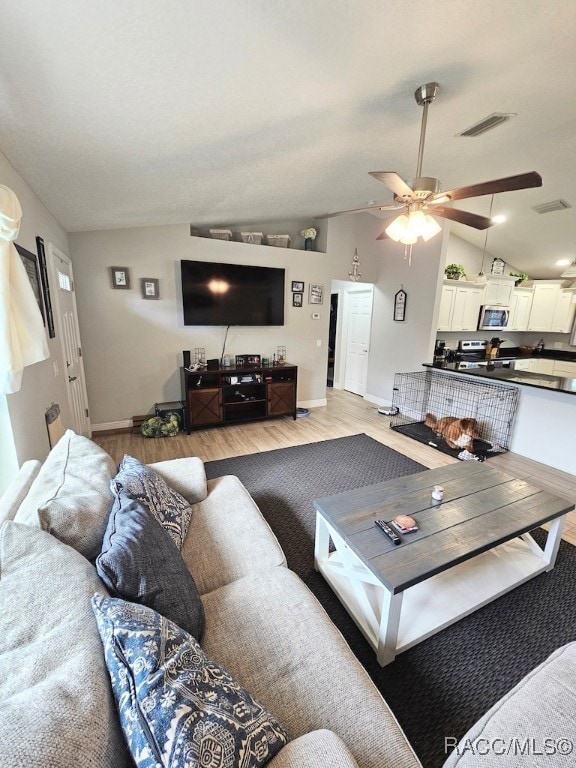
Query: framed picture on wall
[[297, 299], [30, 262], [45, 286], [297, 286], [316, 294], [150, 288], [120, 277]]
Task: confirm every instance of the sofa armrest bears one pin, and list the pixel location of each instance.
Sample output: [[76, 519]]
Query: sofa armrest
[[317, 749], [187, 476], [18, 489]]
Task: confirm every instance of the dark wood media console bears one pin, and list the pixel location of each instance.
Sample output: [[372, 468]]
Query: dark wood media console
[[231, 395]]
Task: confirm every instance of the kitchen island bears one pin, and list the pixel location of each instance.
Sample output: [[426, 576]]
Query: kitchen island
[[545, 421]]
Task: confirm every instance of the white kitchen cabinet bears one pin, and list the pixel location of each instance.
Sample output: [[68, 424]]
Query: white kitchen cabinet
[[446, 307], [520, 306], [460, 306], [499, 290], [563, 314], [466, 309], [543, 306], [544, 365], [564, 368], [529, 364]]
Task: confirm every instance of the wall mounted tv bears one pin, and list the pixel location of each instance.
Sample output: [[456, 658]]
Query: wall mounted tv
[[231, 294]]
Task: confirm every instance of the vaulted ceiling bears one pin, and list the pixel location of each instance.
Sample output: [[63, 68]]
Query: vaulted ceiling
[[218, 112]]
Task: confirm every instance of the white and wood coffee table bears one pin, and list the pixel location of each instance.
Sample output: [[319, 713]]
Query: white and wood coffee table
[[469, 549]]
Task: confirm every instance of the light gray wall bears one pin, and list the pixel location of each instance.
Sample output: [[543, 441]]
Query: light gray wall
[[24, 410], [460, 251], [401, 346], [133, 347]]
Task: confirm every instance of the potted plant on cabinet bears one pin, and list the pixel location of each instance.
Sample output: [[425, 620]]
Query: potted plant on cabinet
[[455, 271], [520, 277]]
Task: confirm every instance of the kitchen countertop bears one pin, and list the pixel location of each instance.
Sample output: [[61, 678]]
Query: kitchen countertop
[[511, 376]]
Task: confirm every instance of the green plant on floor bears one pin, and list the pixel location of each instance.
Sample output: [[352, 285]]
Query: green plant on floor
[[455, 271]]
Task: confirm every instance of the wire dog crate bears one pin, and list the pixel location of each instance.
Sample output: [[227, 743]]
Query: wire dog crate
[[463, 416]]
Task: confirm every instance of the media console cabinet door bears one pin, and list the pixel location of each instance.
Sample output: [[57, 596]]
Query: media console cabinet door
[[281, 398], [205, 406]]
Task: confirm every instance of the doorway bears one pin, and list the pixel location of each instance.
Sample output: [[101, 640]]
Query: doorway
[[66, 317], [350, 322]]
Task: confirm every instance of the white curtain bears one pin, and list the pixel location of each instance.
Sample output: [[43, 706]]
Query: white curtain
[[22, 335]]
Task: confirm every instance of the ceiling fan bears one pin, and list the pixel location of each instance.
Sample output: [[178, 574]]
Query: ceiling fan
[[424, 197]]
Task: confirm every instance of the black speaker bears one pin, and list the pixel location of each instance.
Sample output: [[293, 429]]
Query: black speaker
[[213, 365], [186, 357]]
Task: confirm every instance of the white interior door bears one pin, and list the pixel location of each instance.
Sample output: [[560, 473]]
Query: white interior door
[[358, 340], [67, 322]]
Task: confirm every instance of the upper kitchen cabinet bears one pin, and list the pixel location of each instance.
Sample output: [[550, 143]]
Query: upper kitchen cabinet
[[499, 290], [460, 307], [550, 308], [520, 306], [563, 312]]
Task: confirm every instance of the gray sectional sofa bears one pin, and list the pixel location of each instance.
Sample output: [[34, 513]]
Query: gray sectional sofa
[[262, 624]]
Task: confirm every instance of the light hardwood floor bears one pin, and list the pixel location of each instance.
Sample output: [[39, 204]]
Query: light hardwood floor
[[345, 414]]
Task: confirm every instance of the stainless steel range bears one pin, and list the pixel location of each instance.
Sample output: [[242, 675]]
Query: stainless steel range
[[472, 354]]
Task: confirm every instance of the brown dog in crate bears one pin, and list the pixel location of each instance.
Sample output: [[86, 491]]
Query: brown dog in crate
[[458, 433]]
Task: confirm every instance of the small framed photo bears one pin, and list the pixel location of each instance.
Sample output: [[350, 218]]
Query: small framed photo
[[150, 288], [316, 294], [297, 299], [297, 286], [120, 277], [253, 360]]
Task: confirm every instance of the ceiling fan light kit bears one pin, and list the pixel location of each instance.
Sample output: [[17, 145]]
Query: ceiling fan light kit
[[424, 196]]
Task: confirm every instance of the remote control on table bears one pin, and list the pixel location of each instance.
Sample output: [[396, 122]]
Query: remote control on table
[[385, 528]]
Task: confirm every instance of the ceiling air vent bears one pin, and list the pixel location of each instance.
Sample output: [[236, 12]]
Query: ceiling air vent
[[553, 205], [492, 121]]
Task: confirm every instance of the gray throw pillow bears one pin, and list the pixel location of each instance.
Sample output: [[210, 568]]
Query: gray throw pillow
[[140, 563], [56, 705], [142, 483], [177, 707]]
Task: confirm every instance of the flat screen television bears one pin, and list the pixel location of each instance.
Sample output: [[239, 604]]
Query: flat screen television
[[231, 294]]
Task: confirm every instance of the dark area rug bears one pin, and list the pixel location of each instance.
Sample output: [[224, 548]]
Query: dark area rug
[[439, 688]]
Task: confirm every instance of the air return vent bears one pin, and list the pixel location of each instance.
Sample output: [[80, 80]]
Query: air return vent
[[492, 121], [553, 205]]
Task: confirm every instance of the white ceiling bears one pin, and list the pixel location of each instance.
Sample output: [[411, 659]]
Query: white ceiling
[[217, 112]]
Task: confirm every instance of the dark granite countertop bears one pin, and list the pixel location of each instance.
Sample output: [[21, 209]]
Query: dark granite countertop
[[511, 376]]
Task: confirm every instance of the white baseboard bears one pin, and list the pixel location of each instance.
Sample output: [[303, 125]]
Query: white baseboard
[[313, 403], [377, 400], [127, 424]]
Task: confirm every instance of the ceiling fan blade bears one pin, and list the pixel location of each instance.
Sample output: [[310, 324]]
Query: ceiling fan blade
[[392, 207], [394, 182], [507, 184], [462, 217]]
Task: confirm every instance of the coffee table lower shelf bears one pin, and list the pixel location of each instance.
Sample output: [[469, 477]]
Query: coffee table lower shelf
[[392, 623]]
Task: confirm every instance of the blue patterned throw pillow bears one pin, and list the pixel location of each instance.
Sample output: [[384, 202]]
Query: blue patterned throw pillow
[[142, 483], [177, 708]]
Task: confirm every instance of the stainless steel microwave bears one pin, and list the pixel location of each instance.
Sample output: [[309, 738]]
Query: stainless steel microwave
[[493, 317]]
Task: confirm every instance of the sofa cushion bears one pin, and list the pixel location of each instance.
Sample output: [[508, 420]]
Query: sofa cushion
[[186, 475], [318, 749], [228, 530], [56, 706], [178, 709], [16, 492], [142, 483], [271, 633], [70, 498], [140, 562], [535, 720]]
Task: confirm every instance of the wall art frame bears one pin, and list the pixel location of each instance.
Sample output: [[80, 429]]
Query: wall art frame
[[297, 299], [297, 286], [30, 262], [120, 277], [150, 287], [316, 294], [45, 287]]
